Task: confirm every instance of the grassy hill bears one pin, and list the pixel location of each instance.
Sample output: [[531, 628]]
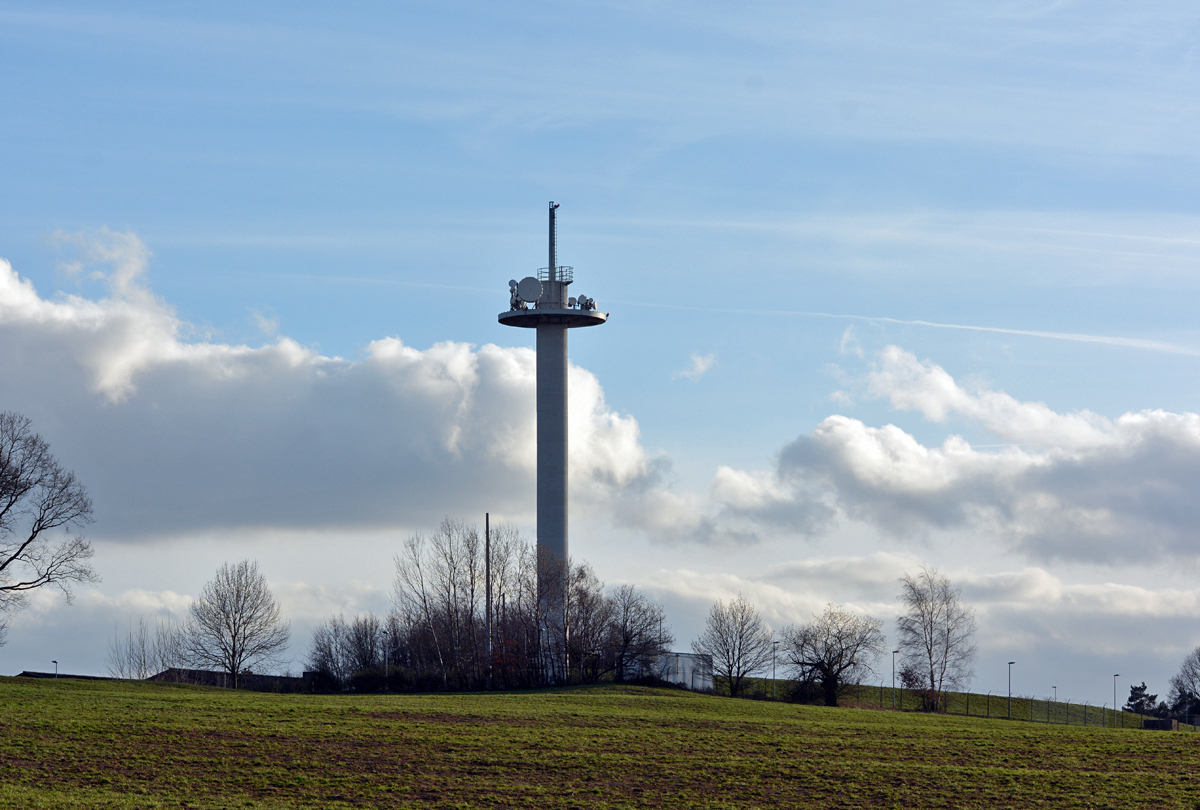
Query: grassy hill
[[124, 745]]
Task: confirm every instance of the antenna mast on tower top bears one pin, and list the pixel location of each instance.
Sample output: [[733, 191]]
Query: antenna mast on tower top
[[553, 243]]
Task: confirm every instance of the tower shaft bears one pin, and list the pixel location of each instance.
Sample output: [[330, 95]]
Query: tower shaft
[[552, 442]]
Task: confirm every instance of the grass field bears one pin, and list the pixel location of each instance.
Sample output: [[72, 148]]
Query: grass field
[[73, 743]]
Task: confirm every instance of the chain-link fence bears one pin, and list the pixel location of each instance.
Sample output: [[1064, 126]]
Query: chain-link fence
[[970, 704]]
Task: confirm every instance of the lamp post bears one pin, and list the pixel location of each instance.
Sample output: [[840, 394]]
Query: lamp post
[[1010, 663], [1055, 688], [774, 647], [55, 669], [894, 652], [1118, 675]]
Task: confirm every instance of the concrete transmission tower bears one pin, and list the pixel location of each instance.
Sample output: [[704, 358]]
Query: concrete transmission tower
[[542, 303]]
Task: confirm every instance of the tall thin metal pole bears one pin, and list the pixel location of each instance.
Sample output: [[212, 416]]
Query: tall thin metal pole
[[894, 678], [1118, 675], [386, 657], [1010, 663], [553, 244], [487, 576], [774, 646]]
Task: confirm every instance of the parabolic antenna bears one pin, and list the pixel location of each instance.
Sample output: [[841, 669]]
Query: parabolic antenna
[[512, 283], [530, 289]]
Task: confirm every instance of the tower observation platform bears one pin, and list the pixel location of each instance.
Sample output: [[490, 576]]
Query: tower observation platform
[[542, 302]]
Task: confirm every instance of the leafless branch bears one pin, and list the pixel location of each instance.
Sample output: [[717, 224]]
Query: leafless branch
[[38, 499]]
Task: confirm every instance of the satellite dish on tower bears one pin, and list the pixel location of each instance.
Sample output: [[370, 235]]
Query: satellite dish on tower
[[530, 289]]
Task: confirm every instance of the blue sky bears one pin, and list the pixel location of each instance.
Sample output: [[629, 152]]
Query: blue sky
[[778, 192]]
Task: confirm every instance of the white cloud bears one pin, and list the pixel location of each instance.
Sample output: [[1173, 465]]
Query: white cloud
[[914, 385], [700, 364], [174, 436], [1076, 485]]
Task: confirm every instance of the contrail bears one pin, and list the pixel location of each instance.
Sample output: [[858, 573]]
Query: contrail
[[1109, 340], [1076, 337]]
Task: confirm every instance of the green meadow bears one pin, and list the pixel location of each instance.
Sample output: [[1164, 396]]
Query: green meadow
[[71, 743]]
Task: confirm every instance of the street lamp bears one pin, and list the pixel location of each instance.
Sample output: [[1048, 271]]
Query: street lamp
[[774, 646], [1010, 663], [1055, 688], [55, 669], [1118, 675], [894, 652]]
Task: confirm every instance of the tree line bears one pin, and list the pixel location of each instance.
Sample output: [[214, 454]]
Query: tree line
[[436, 635], [1183, 700], [839, 648]]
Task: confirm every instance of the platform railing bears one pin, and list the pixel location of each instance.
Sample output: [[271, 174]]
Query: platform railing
[[564, 274]]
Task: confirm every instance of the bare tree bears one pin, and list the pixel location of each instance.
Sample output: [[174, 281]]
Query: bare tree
[[837, 649], [129, 657], [39, 501], [142, 653], [553, 576], [637, 633], [1185, 686], [416, 601], [364, 644], [327, 655], [589, 615], [937, 631], [235, 624], [737, 639], [342, 650]]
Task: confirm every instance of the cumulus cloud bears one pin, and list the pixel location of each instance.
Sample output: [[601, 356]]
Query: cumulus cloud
[[1074, 485], [175, 435], [910, 384]]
